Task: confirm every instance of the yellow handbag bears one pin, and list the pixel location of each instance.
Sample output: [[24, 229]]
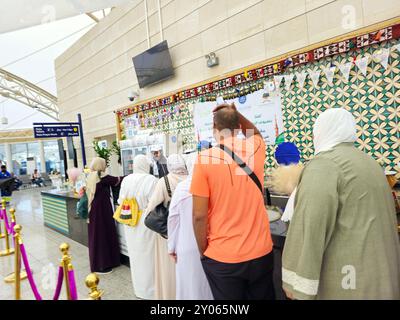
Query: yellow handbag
[[128, 212]]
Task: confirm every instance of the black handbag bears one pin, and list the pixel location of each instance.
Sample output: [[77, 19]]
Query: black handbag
[[157, 219]]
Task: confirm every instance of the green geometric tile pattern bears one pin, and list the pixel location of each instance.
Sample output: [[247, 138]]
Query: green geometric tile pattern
[[373, 99]]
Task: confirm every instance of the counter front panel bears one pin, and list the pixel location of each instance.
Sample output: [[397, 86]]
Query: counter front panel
[[55, 213]]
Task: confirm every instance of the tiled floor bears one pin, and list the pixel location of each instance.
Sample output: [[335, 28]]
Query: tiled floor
[[42, 246]]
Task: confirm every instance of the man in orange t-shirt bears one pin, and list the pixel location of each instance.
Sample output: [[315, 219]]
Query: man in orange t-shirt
[[229, 217]]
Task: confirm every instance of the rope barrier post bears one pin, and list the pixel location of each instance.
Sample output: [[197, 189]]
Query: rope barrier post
[[2, 235], [18, 242], [92, 281], [8, 251], [23, 275], [65, 263]]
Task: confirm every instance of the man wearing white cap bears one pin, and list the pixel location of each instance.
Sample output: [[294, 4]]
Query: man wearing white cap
[[158, 162]]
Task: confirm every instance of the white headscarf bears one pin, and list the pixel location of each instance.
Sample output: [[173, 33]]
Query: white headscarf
[[190, 160], [141, 164], [176, 164], [98, 167], [332, 127], [140, 184]]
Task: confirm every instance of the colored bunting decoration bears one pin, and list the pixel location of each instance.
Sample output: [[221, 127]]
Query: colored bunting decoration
[[382, 57], [329, 72], [288, 81], [345, 70], [314, 75], [278, 81], [301, 78], [362, 64]]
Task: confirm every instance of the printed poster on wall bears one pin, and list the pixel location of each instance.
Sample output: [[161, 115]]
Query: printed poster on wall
[[263, 110]]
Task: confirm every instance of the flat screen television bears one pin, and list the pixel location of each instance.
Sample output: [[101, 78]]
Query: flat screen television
[[153, 65]]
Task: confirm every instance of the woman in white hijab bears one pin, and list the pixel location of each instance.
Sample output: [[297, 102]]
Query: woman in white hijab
[[139, 239], [344, 222], [103, 238], [164, 264], [191, 281]]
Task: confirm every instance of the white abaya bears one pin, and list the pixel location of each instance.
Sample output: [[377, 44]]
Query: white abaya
[[191, 282], [139, 239], [164, 267]]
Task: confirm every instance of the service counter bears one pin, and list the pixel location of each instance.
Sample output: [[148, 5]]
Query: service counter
[[59, 214]]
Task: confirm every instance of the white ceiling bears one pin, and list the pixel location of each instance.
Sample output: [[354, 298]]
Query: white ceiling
[[32, 34], [19, 14]]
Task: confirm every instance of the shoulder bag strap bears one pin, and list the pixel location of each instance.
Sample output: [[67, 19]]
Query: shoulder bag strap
[[243, 165], [168, 186]]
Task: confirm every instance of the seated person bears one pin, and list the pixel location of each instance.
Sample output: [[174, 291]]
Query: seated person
[[37, 178], [17, 181], [4, 174]]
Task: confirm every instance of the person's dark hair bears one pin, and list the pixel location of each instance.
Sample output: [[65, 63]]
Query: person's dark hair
[[3, 167], [226, 117]]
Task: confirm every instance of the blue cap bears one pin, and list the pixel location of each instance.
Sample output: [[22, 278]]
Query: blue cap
[[287, 153]]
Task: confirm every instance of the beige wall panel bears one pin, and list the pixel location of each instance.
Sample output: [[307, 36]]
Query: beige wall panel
[[216, 37], [212, 13], [314, 4], [376, 11], [247, 51], [334, 19], [187, 51], [241, 26], [287, 36], [237, 6], [278, 11]]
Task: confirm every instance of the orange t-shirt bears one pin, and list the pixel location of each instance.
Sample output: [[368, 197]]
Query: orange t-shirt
[[238, 225]]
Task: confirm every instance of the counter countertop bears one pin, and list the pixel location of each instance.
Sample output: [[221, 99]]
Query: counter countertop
[[61, 194]]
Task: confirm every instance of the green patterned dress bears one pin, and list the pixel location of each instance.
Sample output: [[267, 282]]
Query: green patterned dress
[[342, 242]]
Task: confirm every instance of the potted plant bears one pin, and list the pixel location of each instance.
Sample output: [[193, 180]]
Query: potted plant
[[102, 152], [117, 150]]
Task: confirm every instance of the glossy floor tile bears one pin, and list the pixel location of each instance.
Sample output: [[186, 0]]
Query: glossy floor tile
[[42, 246]]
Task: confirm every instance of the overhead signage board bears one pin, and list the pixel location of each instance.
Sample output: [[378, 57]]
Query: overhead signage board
[[56, 131]]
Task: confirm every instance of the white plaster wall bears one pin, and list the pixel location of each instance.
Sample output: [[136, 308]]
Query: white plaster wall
[[95, 75]]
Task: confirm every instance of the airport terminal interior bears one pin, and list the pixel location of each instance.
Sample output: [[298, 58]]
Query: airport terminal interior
[[200, 150]]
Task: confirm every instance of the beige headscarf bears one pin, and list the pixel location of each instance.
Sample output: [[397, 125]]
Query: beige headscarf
[[176, 164], [98, 168]]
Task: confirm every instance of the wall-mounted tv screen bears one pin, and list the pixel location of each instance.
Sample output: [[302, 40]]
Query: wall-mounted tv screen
[[153, 65]]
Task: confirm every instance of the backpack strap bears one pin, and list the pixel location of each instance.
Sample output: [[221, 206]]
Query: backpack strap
[[244, 166]]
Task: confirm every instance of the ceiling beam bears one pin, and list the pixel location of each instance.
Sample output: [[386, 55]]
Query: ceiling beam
[[92, 16], [25, 92]]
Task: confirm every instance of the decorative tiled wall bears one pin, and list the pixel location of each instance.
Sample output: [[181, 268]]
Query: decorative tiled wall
[[373, 99]]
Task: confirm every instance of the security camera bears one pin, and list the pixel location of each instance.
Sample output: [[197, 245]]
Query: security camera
[[133, 94], [212, 60]]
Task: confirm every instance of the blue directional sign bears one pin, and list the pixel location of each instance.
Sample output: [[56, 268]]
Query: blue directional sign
[[56, 130], [61, 130]]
